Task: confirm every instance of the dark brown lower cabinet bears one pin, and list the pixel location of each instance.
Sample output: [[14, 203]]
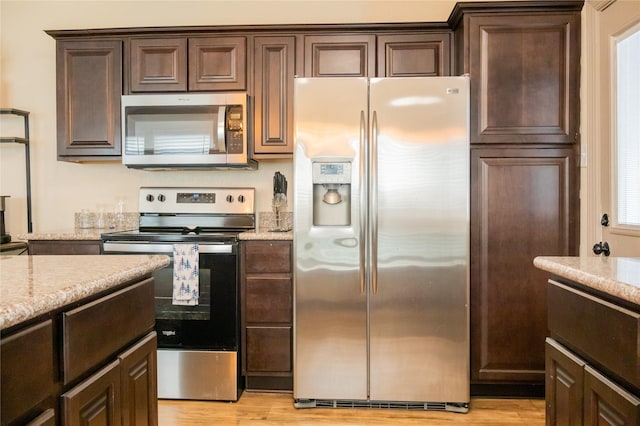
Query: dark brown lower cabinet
[[125, 389], [93, 363], [96, 401], [606, 403], [267, 315], [64, 247], [564, 386], [578, 394], [28, 373], [592, 363], [122, 393], [524, 203], [139, 383]]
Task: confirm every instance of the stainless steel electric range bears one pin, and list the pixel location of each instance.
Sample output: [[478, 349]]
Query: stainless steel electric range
[[198, 339]]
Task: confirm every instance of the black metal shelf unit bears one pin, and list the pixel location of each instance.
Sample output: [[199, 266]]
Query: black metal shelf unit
[[24, 141]]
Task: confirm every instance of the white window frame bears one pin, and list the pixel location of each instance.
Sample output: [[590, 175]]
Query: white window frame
[[616, 227]]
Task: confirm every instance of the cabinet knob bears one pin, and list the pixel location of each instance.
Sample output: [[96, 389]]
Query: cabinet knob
[[601, 247]]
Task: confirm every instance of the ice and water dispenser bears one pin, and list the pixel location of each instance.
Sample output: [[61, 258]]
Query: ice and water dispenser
[[331, 193]]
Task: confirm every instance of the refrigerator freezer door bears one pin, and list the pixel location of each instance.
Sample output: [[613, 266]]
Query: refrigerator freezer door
[[419, 331], [330, 349]]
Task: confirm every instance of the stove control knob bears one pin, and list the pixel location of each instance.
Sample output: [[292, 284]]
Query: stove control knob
[[229, 198], [241, 198], [150, 198], [161, 198]]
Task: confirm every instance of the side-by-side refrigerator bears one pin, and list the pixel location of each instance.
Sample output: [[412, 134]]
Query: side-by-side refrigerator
[[381, 242]]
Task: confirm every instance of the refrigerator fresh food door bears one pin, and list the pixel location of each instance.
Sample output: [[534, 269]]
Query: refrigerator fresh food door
[[330, 301], [419, 349]]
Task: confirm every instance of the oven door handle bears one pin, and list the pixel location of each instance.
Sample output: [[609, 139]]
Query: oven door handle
[[109, 247]]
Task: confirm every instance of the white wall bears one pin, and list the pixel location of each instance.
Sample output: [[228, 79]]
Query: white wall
[[27, 81]]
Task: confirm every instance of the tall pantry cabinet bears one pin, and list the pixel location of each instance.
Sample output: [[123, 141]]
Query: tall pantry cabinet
[[523, 61]]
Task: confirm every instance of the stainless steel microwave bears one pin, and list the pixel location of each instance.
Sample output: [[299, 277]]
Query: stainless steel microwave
[[185, 131]]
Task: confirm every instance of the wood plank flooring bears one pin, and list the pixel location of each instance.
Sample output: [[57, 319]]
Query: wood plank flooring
[[266, 409]]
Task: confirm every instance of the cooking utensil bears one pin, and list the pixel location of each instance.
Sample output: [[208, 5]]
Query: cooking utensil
[[279, 184]]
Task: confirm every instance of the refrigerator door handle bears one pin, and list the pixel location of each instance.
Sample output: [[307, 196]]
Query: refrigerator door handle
[[373, 176], [363, 200]]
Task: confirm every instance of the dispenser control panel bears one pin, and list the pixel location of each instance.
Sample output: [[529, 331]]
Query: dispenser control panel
[[339, 172]]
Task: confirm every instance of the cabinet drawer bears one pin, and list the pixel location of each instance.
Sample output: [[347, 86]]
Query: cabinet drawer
[[268, 257], [95, 331], [611, 338], [269, 300], [63, 247], [269, 349], [27, 367]]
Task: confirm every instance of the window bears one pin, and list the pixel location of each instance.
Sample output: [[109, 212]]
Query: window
[[627, 125]]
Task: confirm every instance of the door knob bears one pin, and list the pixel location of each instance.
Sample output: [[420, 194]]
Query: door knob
[[604, 221], [602, 248]]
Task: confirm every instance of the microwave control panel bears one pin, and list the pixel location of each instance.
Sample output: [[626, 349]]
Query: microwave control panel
[[234, 131]]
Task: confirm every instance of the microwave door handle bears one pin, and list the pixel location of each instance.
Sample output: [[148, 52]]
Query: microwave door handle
[[222, 114]]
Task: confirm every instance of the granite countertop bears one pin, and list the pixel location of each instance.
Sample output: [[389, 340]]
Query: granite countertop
[[266, 222], [68, 234], [34, 285], [617, 276], [264, 234]]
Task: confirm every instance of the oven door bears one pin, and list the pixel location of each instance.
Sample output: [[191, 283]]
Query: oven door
[[212, 324]]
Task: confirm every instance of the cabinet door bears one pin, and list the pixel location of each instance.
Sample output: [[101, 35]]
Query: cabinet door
[[523, 204], [414, 55], [139, 377], [95, 401], [89, 86], [27, 369], [564, 386], [158, 65], [606, 403], [274, 68], [339, 56], [217, 63], [524, 78]]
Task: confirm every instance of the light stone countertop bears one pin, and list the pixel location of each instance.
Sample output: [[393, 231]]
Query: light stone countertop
[[617, 276], [70, 234], [261, 234], [31, 286]]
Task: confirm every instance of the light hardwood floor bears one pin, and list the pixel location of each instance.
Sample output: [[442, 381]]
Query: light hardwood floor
[[266, 409]]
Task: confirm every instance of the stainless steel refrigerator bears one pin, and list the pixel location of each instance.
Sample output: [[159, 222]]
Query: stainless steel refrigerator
[[381, 242]]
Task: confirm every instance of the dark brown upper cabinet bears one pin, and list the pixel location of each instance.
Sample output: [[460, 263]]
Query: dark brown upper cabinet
[[195, 64], [273, 73], [89, 85], [158, 65], [524, 84], [414, 55], [217, 63], [339, 55]]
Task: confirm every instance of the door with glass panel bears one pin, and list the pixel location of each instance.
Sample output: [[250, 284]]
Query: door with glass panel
[[618, 87]]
